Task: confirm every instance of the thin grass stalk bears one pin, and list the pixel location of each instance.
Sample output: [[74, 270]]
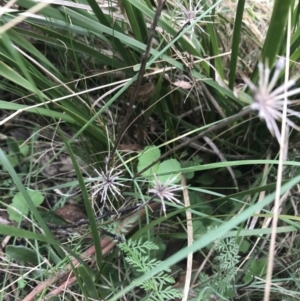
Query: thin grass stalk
[[282, 157]]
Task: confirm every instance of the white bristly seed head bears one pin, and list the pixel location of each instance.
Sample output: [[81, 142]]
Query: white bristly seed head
[[165, 191], [108, 182], [269, 102], [184, 16]]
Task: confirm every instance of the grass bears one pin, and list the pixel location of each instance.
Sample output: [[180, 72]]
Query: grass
[[133, 165]]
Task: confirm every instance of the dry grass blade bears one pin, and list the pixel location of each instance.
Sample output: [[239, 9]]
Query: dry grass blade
[[190, 240], [282, 155]]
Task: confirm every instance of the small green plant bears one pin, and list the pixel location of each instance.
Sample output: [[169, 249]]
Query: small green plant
[[162, 176], [20, 207], [225, 270], [257, 268], [164, 171], [158, 287]]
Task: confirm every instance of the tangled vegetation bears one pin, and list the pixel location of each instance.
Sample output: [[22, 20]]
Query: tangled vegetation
[[149, 150]]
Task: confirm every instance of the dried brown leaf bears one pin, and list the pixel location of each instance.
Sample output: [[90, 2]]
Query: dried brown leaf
[[144, 92]]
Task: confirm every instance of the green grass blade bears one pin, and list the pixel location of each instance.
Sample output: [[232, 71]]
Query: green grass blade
[[187, 46], [17, 232], [4, 105], [135, 26], [207, 239], [214, 45], [88, 282], [51, 37], [236, 41], [17, 36], [87, 203], [276, 31], [118, 45], [20, 186], [12, 75]]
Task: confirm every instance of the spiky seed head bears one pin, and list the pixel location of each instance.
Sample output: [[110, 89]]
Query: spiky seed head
[[108, 182], [269, 102], [165, 191]]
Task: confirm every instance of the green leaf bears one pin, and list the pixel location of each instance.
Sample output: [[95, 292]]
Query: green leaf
[[168, 166], [19, 204], [205, 179], [88, 281], [199, 203], [50, 217], [195, 161], [13, 146], [21, 253], [17, 208], [150, 154], [12, 160], [245, 246], [21, 283], [24, 149], [257, 268], [198, 227]]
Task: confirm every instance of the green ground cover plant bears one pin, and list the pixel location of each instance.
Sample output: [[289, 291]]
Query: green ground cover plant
[[149, 150]]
